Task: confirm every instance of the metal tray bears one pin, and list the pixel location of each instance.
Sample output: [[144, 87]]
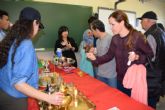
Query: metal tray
[[81, 102]]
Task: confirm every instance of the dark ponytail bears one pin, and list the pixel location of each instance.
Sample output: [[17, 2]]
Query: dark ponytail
[[5, 45]]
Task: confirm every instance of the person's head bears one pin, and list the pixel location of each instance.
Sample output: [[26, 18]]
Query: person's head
[[119, 23], [148, 19], [63, 32], [26, 27], [97, 27], [91, 19], [118, 20], [4, 20], [31, 19], [88, 37]]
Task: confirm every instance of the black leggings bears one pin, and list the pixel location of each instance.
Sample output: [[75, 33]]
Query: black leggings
[[8, 102]]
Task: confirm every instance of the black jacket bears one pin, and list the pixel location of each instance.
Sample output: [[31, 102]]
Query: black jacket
[[159, 36]]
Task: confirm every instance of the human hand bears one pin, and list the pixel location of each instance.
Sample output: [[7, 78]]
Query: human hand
[[56, 98], [133, 56], [92, 50], [10, 25], [68, 45], [90, 34], [91, 56]]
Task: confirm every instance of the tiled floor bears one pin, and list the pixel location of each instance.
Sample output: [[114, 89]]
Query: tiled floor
[[161, 104]]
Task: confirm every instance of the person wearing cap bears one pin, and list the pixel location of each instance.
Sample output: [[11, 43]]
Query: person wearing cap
[[155, 37], [4, 23], [18, 64]]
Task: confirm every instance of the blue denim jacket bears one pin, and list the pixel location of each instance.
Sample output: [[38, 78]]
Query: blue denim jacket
[[25, 69]]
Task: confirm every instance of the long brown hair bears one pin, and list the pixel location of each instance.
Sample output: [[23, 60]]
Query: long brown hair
[[119, 16], [21, 30]]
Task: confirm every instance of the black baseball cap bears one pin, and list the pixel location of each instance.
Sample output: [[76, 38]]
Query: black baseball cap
[[29, 13], [149, 15]]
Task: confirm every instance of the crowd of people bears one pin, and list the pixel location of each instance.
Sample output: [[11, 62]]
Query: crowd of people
[[103, 56]]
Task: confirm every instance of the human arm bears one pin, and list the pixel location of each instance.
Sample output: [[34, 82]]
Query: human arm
[[72, 45], [152, 42], [106, 57], [55, 98], [141, 49], [81, 48], [92, 50], [57, 45], [25, 74]]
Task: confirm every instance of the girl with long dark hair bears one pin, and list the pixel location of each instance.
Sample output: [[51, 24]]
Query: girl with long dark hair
[[66, 43], [18, 64]]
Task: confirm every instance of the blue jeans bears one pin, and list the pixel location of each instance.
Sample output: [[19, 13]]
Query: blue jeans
[[152, 101], [110, 81], [8, 102], [95, 70]]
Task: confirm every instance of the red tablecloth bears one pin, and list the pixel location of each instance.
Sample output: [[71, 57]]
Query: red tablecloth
[[103, 96]]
